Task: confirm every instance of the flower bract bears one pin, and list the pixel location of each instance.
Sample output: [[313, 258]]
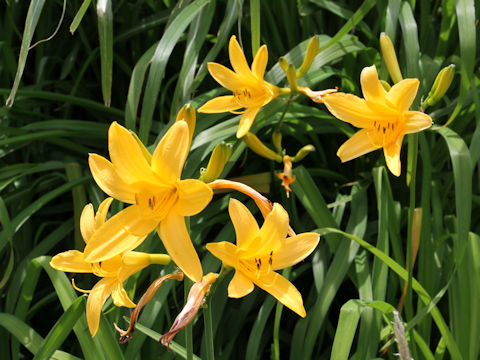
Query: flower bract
[[260, 251], [384, 117]]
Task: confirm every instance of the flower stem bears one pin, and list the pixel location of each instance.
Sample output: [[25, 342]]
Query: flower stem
[[187, 284], [207, 318], [278, 317]]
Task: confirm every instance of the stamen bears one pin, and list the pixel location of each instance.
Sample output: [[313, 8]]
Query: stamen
[[78, 289]]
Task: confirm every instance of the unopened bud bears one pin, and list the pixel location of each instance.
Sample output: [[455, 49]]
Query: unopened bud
[[283, 62], [139, 258], [254, 143], [277, 140], [187, 113], [219, 158], [390, 57], [146, 154], [440, 85], [304, 151], [292, 78], [312, 51], [385, 85]]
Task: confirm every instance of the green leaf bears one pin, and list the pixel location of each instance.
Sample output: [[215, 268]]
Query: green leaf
[[105, 37]]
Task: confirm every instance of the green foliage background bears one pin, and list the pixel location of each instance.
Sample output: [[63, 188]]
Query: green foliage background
[[144, 60]]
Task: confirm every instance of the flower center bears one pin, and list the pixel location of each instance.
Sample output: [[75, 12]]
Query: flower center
[[258, 266], [157, 205], [384, 132], [251, 96]]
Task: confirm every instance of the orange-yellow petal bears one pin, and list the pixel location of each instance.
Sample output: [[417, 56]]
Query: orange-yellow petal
[[225, 77], [127, 156], [392, 156], [402, 94], [372, 89], [170, 154], [246, 227], [100, 293], [220, 104], [193, 196], [175, 238], [296, 249], [110, 182], [120, 297], [237, 58], [122, 232], [246, 121], [283, 290], [416, 121], [102, 212], [260, 62], [87, 222], [71, 261], [272, 233], [351, 109], [240, 286], [225, 251], [356, 146]]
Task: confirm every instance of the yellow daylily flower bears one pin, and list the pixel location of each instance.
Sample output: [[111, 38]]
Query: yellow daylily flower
[[160, 199], [250, 91], [383, 116], [114, 271], [261, 251]]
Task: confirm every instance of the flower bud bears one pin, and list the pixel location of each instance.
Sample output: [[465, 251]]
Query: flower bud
[[390, 57], [277, 140], [440, 85], [146, 154], [283, 62], [220, 155], [286, 175], [187, 113], [292, 78], [254, 143], [304, 151], [385, 85], [312, 51]]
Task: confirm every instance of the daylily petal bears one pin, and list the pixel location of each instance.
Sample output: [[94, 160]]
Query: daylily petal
[[175, 238], [372, 89], [283, 290], [102, 212], [170, 155], [110, 182], [416, 121], [403, 93], [246, 227], [224, 76], [124, 231], [219, 104], [246, 121], [358, 145], [237, 58], [120, 297], [100, 293], [273, 232], [193, 196], [240, 286], [352, 109], [296, 249], [392, 156], [260, 62], [127, 157], [87, 222], [71, 261], [225, 251]]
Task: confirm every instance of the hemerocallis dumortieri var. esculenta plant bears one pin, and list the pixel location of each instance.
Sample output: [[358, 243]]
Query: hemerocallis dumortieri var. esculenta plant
[[250, 91], [384, 117], [259, 252], [114, 271], [160, 199]]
